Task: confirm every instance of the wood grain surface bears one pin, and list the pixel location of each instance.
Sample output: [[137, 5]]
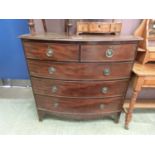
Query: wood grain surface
[[79, 106], [89, 89], [97, 53], [60, 52], [79, 71]]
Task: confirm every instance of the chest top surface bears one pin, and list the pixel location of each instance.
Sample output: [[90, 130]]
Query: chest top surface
[[79, 38]]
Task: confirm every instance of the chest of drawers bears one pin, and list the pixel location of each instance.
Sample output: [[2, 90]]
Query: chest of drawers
[[79, 77]]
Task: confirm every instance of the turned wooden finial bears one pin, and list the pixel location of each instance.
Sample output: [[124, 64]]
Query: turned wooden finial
[[68, 25], [44, 25], [31, 26]]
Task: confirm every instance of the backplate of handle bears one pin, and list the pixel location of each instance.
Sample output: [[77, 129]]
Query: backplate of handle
[[104, 90], [102, 106], [106, 71], [109, 53], [51, 70], [55, 104], [54, 89], [49, 52]]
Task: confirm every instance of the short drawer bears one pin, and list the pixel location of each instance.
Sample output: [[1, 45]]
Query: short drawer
[[99, 28], [79, 106], [51, 51], [83, 89], [100, 53], [79, 71]]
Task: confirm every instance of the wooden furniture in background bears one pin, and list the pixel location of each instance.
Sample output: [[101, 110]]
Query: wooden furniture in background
[[44, 25], [99, 27], [68, 25], [146, 52], [79, 77], [32, 28], [140, 104], [144, 77], [82, 27], [144, 74], [31, 23]]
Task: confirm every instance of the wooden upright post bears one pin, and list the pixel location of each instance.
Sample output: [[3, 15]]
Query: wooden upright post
[[31, 26]]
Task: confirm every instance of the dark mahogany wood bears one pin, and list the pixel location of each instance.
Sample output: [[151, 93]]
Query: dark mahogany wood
[[85, 89], [71, 81], [86, 39], [79, 108], [97, 53], [113, 115], [79, 71], [60, 52]]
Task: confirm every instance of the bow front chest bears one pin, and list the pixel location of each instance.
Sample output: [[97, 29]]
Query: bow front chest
[[79, 77]]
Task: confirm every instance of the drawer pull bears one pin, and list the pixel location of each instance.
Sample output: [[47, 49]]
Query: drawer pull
[[99, 26], [104, 90], [102, 106], [109, 53], [55, 104], [51, 70], [54, 89], [49, 52], [106, 71]]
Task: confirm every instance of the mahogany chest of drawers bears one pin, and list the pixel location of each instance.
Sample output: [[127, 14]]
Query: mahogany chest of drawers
[[79, 77]]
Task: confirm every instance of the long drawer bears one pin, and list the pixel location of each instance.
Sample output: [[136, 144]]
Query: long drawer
[[73, 106], [106, 53], [79, 71], [92, 89], [51, 51]]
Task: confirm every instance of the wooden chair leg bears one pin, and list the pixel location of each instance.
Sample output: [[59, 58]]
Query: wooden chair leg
[[131, 108]]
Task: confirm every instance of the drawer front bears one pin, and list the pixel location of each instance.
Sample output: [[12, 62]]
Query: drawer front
[[51, 51], [91, 89], [99, 53], [79, 105], [84, 27], [115, 27], [99, 27], [79, 71]]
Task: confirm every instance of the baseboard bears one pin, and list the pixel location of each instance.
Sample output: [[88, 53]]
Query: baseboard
[[17, 83]]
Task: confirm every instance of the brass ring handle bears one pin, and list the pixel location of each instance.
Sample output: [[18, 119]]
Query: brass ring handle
[[109, 53], [106, 71], [49, 52], [102, 106], [55, 104], [51, 70], [104, 90], [54, 89]]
